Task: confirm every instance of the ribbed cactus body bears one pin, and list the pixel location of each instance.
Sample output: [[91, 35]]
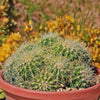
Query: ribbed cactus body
[[50, 62]]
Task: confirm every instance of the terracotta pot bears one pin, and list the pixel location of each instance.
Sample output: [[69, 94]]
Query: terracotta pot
[[98, 70], [17, 93]]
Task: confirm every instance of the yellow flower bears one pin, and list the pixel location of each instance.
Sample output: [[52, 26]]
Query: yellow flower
[[97, 42], [30, 22], [40, 27], [46, 28], [5, 46], [53, 27], [56, 23], [62, 32], [50, 30], [72, 20], [15, 36], [31, 28], [95, 38], [80, 34], [91, 41], [1, 59], [41, 32], [35, 35], [14, 44], [9, 45], [6, 55], [97, 64], [26, 28], [78, 27]]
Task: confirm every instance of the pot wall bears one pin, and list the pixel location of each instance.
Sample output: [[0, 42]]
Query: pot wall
[[17, 93]]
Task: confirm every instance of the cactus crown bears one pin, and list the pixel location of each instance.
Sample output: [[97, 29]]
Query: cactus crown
[[50, 62]]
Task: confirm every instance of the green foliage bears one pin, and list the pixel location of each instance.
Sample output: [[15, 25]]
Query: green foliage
[[2, 94], [50, 62]]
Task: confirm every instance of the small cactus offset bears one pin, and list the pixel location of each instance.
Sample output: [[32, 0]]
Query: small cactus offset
[[50, 62]]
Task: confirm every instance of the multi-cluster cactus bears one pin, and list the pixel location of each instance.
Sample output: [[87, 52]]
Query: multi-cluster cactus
[[50, 63]]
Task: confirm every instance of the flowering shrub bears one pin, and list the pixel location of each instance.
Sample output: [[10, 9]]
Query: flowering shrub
[[10, 45], [61, 25], [12, 41], [94, 45], [7, 24], [29, 31]]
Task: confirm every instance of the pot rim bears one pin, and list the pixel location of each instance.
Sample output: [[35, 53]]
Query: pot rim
[[22, 91]]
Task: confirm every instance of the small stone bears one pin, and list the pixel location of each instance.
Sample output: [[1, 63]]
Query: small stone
[[60, 90], [81, 88], [61, 85], [71, 89], [74, 89], [68, 89], [64, 90]]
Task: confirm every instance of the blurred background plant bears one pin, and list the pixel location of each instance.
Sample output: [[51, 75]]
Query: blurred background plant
[[7, 22], [2, 94], [40, 11], [7, 25], [10, 45]]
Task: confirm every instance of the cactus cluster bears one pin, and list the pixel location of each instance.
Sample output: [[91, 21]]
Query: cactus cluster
[[50, 62]]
